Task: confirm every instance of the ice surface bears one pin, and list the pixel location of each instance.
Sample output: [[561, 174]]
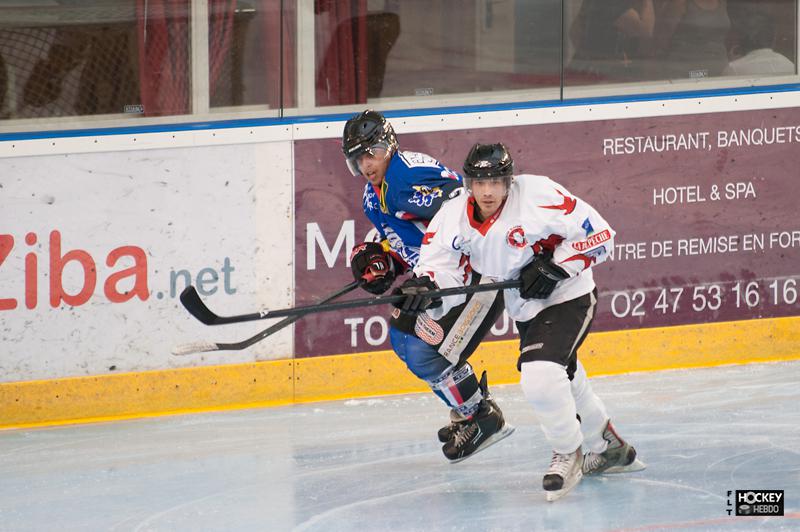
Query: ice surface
[[375, 464]]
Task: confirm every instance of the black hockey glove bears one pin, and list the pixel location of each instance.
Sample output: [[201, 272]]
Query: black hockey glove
[[371, 263], [416, 301], [540, 277]]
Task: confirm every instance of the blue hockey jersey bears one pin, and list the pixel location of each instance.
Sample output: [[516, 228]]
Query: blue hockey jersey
[[414, 188]]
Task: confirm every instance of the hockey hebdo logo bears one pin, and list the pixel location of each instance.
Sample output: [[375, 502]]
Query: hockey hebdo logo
[[755, 503]]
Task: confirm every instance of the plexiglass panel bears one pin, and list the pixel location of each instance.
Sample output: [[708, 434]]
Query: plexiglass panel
[[674, 41], [251, 53], [83, 58], [434, 50]]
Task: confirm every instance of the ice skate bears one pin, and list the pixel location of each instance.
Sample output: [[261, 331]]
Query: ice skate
[[619, 456], [485, 428], [447, 432], [564, 473], [466, 436]]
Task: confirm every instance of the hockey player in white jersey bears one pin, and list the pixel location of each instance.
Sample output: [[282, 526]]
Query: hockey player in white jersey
[[531, 228]]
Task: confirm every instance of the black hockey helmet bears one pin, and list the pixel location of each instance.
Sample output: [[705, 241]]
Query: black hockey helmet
[[488, 161], [366, 132]]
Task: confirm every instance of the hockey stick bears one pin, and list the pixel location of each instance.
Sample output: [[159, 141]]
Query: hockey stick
[[201, 347], [199, 310]]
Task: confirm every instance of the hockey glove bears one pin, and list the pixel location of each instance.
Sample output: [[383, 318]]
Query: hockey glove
[[416, 301], [540, 277], [371, 263]]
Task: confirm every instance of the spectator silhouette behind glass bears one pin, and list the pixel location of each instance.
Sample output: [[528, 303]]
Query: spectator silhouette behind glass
[[753, 38], [690, 38], [609, 37]]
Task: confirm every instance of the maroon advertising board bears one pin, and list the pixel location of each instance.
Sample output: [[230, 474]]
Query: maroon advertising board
[[705, 209]]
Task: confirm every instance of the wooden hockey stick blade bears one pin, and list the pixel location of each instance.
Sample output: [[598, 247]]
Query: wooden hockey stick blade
[[194, 347], [206, 347]]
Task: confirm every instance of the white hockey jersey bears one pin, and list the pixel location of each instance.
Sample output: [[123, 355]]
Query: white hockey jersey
[[537, 215]]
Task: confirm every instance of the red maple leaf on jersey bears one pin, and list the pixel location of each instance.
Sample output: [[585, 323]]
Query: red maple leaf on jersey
[[547, 244], [587, 261], [568, 205]]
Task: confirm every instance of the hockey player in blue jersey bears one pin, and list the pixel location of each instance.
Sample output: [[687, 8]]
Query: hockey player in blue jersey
[[404, 190]]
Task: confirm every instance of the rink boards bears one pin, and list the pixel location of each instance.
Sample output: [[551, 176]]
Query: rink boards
[[107, 228], [271, 383]]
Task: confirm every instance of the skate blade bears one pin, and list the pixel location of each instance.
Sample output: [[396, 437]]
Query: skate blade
[[503, 433], [636, 465], [557, 494]]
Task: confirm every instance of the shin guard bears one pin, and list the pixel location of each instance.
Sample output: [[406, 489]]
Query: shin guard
[[547, 388], [458, 387], [591, 411]]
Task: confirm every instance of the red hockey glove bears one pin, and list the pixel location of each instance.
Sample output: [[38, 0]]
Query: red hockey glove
[[371, 263]]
